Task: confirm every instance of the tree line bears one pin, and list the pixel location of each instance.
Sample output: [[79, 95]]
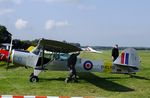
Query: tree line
[[5, 37]]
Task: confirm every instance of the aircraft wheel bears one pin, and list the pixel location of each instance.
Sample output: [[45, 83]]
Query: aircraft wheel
[[34, 79]]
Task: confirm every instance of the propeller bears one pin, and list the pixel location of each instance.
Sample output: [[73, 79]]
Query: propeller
[[9, 53]]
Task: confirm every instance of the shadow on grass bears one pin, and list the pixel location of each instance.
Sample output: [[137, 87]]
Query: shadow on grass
[[2, 64], [12, 66], [104, 83], [9, 66], [142, 78], [52, 79]]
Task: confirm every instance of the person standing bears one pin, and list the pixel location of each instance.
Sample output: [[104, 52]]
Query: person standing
[[71, 62], [115, 52]]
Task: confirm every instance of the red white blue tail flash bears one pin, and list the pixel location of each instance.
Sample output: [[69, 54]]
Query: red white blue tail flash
[[125, 58], [128, 57]]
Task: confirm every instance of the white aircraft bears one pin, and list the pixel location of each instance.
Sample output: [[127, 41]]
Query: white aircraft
[[89, 49], [40, 59]]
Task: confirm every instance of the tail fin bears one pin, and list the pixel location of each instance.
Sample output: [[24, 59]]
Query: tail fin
[[30, 48], [128, 57]]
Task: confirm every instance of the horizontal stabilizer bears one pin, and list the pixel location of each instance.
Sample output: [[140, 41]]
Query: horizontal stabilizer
[[128, 66], [128, 58]]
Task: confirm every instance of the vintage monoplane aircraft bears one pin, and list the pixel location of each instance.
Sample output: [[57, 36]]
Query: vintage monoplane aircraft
[[53, 55]]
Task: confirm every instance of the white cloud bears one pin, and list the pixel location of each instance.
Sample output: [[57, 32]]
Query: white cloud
[[21, 24], [62, 23], [50, 24], [6, 11]]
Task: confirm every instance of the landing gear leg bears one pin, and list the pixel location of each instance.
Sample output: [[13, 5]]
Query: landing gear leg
[[34, 76]]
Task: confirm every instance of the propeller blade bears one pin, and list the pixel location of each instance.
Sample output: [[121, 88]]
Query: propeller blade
[[9, 53]]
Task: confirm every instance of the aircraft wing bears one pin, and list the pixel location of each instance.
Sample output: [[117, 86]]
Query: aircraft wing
[[57, 46]]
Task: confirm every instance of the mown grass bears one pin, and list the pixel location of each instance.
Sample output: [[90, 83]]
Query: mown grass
[[15, 81]]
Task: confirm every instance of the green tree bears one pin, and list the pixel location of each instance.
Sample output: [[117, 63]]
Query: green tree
[[5, 36]]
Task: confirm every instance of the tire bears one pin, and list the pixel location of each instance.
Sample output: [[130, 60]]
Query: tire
[[34, 79]]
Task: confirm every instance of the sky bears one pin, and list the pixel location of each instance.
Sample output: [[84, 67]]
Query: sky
[[88, 22]]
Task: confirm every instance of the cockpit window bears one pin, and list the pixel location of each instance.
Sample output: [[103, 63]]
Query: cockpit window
[[64, 56], [36, 51]]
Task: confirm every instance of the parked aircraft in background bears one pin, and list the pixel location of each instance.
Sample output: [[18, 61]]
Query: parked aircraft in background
[[90, 49], [3, 54], [4, 51]]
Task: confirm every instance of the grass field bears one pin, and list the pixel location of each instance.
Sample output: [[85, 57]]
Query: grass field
[[15, 81]]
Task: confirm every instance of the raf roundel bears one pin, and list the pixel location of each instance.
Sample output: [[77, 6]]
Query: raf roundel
[[88, 65]]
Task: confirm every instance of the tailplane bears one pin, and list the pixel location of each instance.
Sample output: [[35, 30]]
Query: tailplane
[[128, 59]]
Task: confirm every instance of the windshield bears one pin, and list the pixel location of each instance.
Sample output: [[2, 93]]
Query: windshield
[[36, 51]]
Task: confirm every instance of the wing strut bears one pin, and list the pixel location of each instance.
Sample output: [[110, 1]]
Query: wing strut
[[42, 61]]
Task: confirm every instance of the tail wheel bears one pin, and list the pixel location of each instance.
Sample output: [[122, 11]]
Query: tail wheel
[[34, 79]]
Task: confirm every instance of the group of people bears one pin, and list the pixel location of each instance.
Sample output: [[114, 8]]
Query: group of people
[[73, 59]]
